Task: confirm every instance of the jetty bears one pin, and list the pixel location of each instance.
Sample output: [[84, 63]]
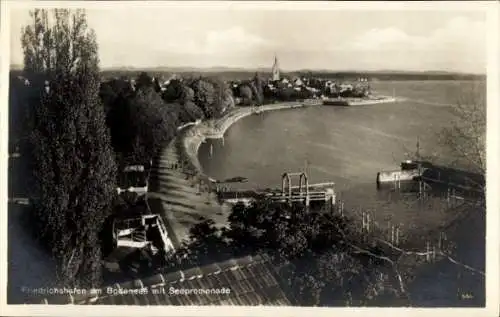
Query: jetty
[[351, 102], [304, 193], [416, 175]]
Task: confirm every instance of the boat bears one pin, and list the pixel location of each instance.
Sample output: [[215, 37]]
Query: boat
[[436, 177], [237, 179]]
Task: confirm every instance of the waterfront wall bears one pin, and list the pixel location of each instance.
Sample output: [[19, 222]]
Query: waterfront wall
[[193, 136]]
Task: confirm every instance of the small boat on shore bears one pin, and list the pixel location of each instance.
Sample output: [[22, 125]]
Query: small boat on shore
[[237, 179]]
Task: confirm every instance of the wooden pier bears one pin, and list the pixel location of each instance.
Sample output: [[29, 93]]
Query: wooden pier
[[303, 193], [422, 177]]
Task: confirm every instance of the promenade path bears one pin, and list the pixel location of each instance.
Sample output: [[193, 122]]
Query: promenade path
[[173, 190], [174, 194]]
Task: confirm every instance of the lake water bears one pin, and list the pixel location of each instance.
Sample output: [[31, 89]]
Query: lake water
[[349, 146], [345, 145]]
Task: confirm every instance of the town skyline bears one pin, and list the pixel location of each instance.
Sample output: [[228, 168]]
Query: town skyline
[[443, 41]]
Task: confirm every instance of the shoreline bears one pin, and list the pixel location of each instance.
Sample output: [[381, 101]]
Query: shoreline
[[193, 136], [183, 195], [352, 101]]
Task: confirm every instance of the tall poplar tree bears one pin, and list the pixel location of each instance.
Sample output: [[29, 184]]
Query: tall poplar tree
[[74, 171]]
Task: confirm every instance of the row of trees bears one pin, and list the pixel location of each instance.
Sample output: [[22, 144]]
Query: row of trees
[[77, 131], [144, 118]]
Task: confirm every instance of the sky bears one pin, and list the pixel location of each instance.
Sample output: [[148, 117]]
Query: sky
[[316, 39]]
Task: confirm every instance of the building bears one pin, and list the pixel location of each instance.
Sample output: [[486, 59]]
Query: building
[[251, 280], [133, 178], [345, 87], [276, 69], [298, 82]]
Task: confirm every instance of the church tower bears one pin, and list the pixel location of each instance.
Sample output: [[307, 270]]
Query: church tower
[[276, 69]]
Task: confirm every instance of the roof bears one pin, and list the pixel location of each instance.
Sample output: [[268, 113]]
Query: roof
[[245, 281], [139, 208]]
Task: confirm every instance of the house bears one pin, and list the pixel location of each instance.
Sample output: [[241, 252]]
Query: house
[[245, 281], [298, 82], [130, 230], [344, 87], [133, 178], [271, 87]]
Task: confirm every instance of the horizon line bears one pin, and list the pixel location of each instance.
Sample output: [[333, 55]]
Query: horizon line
[[260, 68]]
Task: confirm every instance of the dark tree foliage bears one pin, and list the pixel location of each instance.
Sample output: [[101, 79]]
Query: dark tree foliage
[[154, 124], [72, 162], [141, 121], [144, 81], [174, 92], [269, 94], [257, 98], [156, 85], [355, 93], [245, 92], [258, 89], [223, 98], [115, 92], [303, 94], [213, 96], [24, 95], [116, 95], [204, 96], [310, 251], [208, 244], [235, 89], [316, 83], [187, 93], [189, 112], [120, 121], [286, 94]]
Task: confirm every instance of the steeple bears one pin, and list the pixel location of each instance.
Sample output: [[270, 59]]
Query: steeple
[[276, 69]]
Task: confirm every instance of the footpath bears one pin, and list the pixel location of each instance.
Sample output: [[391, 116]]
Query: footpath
[[177, 187], [175, 194]]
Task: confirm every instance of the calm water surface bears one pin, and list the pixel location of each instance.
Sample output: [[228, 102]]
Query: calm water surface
[[349, 146], [345, 145]]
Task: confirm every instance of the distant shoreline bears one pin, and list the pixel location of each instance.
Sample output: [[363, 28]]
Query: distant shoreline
[[326, 74]]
